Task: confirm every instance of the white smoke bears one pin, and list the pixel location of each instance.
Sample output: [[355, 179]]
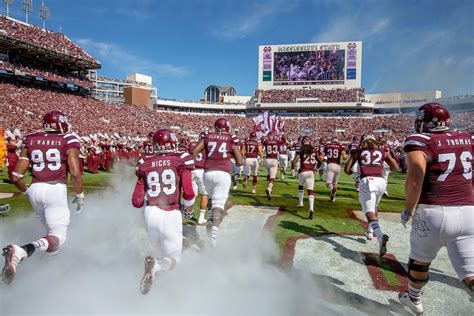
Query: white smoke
[[100, 266]]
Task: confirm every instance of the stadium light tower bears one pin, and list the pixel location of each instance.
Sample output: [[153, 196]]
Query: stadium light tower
[[8, 3], [44, 14], [27, 7]]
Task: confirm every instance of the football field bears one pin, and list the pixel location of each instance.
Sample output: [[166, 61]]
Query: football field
[[270, 259]]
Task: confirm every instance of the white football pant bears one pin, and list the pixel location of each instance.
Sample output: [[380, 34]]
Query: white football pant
[[333, 172], [198, 183], [283, 161], [49, 200], [371, 190], [217, 185], [272, 167], [251, 164], [435, 226], [306, 178], [165, 231]]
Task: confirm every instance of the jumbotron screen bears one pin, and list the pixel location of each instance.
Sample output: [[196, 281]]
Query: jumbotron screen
[[327, 65]]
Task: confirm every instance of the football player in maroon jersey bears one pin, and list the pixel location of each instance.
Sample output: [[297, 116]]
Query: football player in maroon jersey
[[439, 196], [370, 156], [52, 153], [270, 146], [161, 177], [333, 152], [252, 150], [309, 158], [219, 146], [198, 183], [283, 155]]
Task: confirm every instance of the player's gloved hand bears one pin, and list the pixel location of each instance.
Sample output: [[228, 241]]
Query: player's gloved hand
[[79, 200], [405, 217], [187, 211]]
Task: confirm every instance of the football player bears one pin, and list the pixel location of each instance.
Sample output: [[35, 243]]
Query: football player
[[235, 170], [322, 168], [161, 177], [309, 159], [352, 147], [370, 156], [283, 155], [219, 146], [333, 152], [386, 169], [270, 146], [252, 152], [439, 197], [198, 183], [52, 153]]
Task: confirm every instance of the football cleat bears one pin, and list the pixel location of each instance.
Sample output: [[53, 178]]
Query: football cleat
[[383, 244], [244, 182], [405, 300], [369, 235], [300, 206], [13, 256], [282, 176], [149, 275], [202, 221], [269, 194], [254, 191], [311, 215], [385, 193], [332, 197]]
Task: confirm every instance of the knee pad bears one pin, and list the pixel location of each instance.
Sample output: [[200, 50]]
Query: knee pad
[[310, 192], [217, 216], [412, 266], [300, 188]]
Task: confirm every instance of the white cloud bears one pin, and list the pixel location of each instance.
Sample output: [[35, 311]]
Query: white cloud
[[128, 62], [249, 21], [351, 26]]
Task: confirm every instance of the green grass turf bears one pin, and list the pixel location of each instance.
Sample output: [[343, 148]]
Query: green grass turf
[[329, 217]]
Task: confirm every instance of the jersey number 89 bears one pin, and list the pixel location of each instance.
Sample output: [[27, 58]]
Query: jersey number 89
[[167, 185]]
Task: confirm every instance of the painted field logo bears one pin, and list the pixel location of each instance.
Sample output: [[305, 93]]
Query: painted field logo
[[386, 272]]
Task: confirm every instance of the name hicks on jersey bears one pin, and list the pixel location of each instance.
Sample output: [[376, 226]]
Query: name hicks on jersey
[[47, 142], [456, 142], [161, 163]]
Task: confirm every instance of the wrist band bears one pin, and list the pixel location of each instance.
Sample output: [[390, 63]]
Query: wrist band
[[19, 175]]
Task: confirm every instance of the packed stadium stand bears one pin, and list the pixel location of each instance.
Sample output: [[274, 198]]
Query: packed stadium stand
[[42, 70]]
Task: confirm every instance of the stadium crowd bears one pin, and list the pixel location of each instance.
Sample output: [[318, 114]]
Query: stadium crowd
[[22, 107], [37, 36], [49, 74], [290, 95]]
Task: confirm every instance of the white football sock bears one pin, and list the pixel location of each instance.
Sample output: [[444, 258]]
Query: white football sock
[[311, 202], [376, 228], [300, 196], [41, 244]]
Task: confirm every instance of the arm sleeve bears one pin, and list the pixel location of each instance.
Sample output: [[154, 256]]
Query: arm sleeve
[[138, 197], [187, 184]]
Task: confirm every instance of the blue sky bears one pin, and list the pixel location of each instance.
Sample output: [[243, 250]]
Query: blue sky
[[187, 45]]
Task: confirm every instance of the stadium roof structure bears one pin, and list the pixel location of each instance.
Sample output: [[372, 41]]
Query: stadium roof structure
[[36, 50]]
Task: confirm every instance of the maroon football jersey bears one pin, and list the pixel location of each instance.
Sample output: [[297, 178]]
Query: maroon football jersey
[[333, 152], [309, 162], [370, 161], [148, 147], [271, 149], [448, 178], [162, 176], [200, 158], [353, 147], [283, 148], [251, 148], [48, 155], [218, 150]]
